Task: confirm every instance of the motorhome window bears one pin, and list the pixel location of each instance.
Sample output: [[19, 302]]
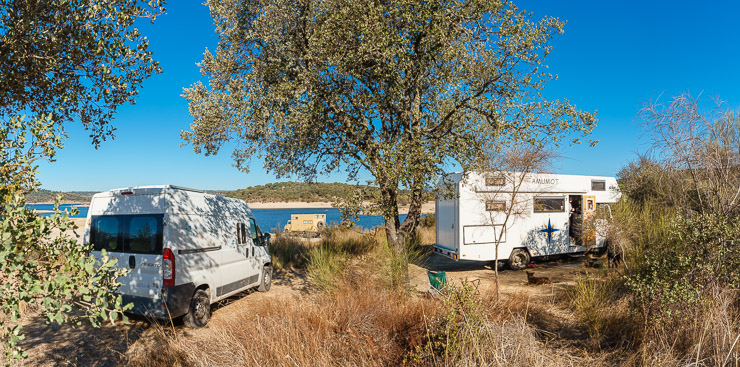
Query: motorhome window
[[549, 205], [497, 206], [598, 185], [128, 233], [495, 181]]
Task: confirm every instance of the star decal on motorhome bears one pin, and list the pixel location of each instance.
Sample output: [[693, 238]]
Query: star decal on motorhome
[[549, 229]]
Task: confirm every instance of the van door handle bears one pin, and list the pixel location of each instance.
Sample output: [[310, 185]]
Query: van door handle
[[132, 261]]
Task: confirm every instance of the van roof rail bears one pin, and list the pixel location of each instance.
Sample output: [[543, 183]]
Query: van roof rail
[[187, 189]]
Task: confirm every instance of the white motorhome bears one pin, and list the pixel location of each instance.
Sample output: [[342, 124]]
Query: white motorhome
[[551, 214], [185, 249]]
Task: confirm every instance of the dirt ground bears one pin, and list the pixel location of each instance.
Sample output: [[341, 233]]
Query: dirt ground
[[52, 345]]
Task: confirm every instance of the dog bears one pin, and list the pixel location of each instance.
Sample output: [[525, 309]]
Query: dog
[[533, 280]]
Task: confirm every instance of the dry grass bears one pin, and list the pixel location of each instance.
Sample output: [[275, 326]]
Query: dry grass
[[710, 338], [360, 325]]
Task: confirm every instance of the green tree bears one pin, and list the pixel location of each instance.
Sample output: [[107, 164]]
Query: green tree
[[399, 89], [60, 61]]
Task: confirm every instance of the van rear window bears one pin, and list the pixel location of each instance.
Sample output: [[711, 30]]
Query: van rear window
[[141, 233]]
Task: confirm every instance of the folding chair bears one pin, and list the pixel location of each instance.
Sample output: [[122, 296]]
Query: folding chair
[[437, 281]]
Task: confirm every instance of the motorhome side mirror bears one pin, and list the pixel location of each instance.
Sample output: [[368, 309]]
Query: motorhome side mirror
[[266, 239]]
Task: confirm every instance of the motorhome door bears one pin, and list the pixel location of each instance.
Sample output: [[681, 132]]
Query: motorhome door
[[589, 216]]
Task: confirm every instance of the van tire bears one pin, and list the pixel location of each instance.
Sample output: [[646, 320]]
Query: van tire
[[519, 259], [265, 279], [199, 311]]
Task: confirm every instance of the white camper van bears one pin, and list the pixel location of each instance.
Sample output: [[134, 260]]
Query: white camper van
[[184, 249], [551, 215]]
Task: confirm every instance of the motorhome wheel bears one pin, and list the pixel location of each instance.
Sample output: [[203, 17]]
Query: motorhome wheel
[[199, 311], [519, 259]]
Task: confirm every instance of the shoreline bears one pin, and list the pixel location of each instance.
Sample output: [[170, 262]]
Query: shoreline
[[426, 207]]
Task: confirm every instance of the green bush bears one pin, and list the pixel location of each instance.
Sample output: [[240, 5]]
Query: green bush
[[697, 256]]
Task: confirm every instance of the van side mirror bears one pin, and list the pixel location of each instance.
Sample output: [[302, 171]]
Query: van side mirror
[[266, 239]]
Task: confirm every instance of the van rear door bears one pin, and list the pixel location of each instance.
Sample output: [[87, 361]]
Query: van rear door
[[136, 241]]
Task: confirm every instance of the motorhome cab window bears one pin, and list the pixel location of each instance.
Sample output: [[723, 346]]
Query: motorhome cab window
[[598, 185], [495, 206], [549, 205], [140, 234], [495, 181]]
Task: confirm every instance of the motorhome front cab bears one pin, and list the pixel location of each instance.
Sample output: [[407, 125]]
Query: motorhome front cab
[[184, 249], [529, 215]]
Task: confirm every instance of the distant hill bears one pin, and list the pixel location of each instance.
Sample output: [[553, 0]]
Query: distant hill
[[268, 193], [299, 191], [48, 196]]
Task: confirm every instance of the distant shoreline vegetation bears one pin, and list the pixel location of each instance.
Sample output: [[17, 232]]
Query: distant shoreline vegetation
[[311, 192]]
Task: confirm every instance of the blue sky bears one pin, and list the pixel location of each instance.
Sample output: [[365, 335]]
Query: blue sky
[[612, 57]]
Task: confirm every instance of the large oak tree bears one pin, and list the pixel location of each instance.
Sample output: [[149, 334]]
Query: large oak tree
[[399, 89]]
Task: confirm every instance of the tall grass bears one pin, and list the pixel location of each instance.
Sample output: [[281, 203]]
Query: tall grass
[[327, 261], [361, 324], [601, 306]]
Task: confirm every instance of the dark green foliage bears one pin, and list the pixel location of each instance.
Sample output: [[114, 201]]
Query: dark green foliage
[[74, 59], [694, 257]]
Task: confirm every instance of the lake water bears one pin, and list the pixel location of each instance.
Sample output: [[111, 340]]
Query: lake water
[[268, 219]]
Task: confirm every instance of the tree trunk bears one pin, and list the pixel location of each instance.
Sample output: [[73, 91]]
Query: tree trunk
[[389, 207], [411, 223]]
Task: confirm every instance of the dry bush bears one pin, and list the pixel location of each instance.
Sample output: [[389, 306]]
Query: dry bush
[[427, 236], [711, 338], [360, 325], [479, 331], [601, 305]]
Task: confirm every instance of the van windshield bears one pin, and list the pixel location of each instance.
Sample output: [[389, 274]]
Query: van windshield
[[141, 233]]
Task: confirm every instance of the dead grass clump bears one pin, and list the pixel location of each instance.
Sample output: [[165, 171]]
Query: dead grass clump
[[288, 252], [476, 331], [158, 347], [601, 306]]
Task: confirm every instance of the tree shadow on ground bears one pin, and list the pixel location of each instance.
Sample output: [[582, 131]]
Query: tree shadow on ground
[[83, 345]]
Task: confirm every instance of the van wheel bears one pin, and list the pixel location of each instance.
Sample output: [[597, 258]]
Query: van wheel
[[519, 259], [199, 311], [266, 282]]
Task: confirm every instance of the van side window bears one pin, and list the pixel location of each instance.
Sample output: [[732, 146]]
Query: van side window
[[244, 233], [598, 185]]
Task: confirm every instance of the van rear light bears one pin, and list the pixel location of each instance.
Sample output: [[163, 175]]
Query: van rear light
[[168, 268]]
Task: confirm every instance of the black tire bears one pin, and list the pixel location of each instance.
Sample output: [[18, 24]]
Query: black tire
[[519, 259], [199, 311], [266, 279]]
